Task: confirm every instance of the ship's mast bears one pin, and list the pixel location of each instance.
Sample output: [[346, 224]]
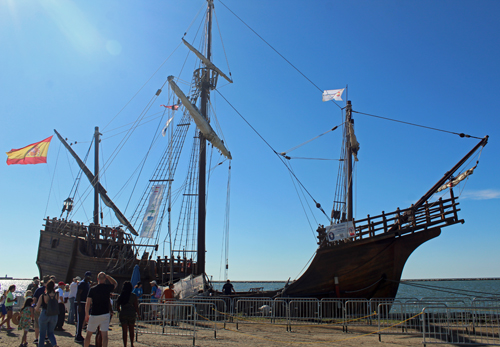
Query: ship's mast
[[96, 176], [348, 150], [205, 96]]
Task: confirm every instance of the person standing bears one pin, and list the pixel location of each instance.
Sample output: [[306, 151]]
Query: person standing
[[9, 306], [33, 286], [47, 304], [73, 289], [27, 315], [62, 308], [168, 296], [228, 288], [3, 314], [80, 301], [97, 308], [36, 296], [154, 299], [128, 309], [138, 291]]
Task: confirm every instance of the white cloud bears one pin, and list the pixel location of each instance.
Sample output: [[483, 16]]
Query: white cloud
[[485, 194]]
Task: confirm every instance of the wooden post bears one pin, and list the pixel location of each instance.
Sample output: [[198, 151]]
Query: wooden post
[[385, 221]]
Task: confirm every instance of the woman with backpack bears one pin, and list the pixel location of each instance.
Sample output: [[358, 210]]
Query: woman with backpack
[[48, 305], [128, 309]]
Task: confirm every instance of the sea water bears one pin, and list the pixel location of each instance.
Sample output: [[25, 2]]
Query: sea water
[[417, 289]]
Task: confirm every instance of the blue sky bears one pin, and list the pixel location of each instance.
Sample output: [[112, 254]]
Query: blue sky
[[71, 66]]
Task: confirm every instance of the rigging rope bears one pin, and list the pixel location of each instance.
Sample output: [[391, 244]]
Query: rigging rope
[[418, 125], [444, 289], [305, 143], [318, 205], [51, 182], [276, 51]]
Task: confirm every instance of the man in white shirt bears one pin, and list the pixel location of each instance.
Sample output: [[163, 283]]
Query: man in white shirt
[[62, 308], [73, 289]]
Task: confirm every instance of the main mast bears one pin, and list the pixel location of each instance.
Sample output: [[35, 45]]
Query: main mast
[[205, 97], [96, 176], [348, 150]]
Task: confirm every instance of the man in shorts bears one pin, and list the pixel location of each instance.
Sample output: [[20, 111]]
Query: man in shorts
[[97, 308]]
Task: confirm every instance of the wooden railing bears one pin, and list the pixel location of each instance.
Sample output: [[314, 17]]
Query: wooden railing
[[440, 213], [437, 214]]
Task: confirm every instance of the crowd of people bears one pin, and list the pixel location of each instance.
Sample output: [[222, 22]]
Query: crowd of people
[[49, 304]]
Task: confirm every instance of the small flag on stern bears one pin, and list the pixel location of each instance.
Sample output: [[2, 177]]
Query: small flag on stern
[[333, 94], [36, 153]]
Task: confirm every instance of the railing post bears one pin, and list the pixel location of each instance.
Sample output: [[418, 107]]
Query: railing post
[[385, 221], [398, 214], [441, 208], [452, 195], [369, 225]]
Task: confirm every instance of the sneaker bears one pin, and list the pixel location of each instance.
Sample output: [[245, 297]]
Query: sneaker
[[35, 342], [79, 340], [11, 328]]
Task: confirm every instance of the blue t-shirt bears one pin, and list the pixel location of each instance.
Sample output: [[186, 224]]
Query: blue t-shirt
[[39, 292], [153, 292], [138, 292], [84, 287]]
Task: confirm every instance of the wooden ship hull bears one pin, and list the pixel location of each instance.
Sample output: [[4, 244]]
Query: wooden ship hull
[[369, 263], [368, 269], [67, 250]]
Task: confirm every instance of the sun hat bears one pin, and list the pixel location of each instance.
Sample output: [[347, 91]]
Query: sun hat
[[78, 278], [153, 281], [16, 317], [61, 283]]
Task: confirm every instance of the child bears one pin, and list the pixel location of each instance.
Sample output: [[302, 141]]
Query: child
[[3, 310], [9, 306], [27, 314]]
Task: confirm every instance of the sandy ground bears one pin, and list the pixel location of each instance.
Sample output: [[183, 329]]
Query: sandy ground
[[245, 335]]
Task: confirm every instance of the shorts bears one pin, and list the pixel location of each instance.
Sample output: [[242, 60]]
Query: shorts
[[4, 310], [128, 320], [101, 321], [9, 308]]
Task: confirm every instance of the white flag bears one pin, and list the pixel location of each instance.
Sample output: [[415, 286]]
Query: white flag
[[164, 130], [333, 94]]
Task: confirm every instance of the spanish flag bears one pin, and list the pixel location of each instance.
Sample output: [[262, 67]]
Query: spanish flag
[[36, 153]]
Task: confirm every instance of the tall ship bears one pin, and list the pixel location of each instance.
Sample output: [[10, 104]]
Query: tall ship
[[165, 237]]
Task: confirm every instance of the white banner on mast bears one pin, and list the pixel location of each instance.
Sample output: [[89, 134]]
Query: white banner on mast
[[151, 215]]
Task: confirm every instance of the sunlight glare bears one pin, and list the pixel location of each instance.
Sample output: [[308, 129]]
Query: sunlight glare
[[72, 23]]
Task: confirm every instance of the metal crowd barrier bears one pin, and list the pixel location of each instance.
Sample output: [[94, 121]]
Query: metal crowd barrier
[[253, 310], [179, 319], [438, 320], [399, 318], [461, 326]]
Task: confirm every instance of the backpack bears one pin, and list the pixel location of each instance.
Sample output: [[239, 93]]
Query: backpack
[[52, 306], [158, 293]]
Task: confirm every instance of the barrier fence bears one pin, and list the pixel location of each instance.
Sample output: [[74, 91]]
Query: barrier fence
[[459, 321], [179, 319], [461, 326]]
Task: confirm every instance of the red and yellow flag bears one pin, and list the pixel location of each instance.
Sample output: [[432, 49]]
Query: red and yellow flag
[[36, 153]]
